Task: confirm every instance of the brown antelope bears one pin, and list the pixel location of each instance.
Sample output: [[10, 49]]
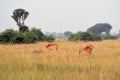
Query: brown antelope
[[87, 50], [51, 46]]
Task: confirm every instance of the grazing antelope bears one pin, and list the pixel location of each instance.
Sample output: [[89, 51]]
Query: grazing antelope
[[51, 46], [37, 51], [87, 50]]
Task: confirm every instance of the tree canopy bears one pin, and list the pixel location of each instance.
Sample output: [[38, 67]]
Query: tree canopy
[[19, 15], [67, 33], [99, 28]]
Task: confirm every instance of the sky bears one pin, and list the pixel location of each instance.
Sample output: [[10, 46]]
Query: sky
[[62, 15]]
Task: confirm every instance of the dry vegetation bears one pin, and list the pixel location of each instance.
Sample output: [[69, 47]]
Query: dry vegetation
[[20, 62]]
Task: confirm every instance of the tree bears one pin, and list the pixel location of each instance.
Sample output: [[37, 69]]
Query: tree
[[67, 33], [99, 28], [19, 15]]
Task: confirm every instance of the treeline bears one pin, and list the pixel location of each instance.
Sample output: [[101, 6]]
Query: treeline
[[31, 36], [86, 36]]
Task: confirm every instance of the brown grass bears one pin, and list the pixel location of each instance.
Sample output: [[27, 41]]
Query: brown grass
[[18, 62]]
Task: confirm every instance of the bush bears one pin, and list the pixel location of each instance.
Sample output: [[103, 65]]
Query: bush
[[18, 38], [84, 36], [6, 36], [110, 37], [29, 37], [49, 38], [37, 34], [32, 36]]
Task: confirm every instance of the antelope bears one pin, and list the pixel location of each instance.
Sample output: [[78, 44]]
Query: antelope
[[51, 46], [87, 49]]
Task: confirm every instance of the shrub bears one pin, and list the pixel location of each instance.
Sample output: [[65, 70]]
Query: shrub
[[110, 37], [84, 36], [11, 36], [5, 37], [29, 37], [48, 38], [37, 34], [18, 38]]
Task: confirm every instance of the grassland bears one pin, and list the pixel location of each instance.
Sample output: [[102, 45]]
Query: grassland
[[18, 62]]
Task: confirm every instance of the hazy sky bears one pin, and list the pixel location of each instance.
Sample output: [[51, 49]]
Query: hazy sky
[[74, 15]]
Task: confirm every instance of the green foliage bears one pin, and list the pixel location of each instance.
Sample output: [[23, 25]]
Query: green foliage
[[84, 36], [29, 37], [32, 36], [17, 38], [37, 33], [110, 37], [48, 38], [6, 36]]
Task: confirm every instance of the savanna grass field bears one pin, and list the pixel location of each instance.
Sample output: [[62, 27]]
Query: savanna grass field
[[19, 62]]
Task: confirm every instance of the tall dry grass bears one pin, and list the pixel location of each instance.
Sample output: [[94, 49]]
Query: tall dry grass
[[18, 62]]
